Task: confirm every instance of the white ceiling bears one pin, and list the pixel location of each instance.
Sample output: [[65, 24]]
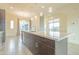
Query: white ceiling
[[31, 9]]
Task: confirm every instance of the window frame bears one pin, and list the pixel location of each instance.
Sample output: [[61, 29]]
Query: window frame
[[53, 21]]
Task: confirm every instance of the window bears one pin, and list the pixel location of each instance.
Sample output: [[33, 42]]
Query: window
[[54, 27], [11, 24], [24, 26]]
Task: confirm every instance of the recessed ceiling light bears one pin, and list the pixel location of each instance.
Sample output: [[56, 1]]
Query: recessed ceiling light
[[22, 13], [32, 18], [35, 17], [11, 7], [42, 6], [50, 9], [41, 14]]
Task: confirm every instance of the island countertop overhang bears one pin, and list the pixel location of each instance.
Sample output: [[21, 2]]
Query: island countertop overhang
[[44, 35]]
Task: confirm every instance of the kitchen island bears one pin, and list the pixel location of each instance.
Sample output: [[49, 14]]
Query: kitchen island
[[1, 38], [43, 44]]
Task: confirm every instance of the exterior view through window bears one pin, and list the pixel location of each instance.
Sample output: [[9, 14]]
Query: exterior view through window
[[54, 26]]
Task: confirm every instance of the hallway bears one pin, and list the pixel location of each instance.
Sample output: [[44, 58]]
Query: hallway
[[14, 46]]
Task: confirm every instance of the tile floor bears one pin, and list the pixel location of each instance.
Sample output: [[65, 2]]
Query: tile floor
[[73, 49], [14, 46]]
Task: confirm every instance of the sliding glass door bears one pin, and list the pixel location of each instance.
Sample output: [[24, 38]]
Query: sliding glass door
[[54, 27]]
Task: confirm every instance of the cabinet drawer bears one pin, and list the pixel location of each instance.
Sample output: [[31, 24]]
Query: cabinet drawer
[[48, 42], [45, 50]]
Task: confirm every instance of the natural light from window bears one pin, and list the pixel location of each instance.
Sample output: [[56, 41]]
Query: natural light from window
[[54, 26], [11, 24]]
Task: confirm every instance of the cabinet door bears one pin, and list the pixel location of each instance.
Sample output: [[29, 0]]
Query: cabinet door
[[30, 42], [2, 20], [48, 42], [45, 50], [2, 23]]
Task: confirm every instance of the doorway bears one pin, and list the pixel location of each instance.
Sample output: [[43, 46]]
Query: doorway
[[23, 25]]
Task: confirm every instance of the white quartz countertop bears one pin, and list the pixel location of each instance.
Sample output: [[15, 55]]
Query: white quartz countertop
[[63, 36]]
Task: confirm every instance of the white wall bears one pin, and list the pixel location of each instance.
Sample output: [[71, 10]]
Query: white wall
[[73, 27], [10, 32]]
